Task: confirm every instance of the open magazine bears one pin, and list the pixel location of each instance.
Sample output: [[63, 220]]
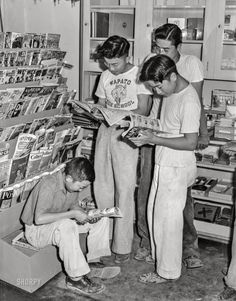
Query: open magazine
[[133, 122], [21, 241], [137, 123], [106, 212], [98, 112]]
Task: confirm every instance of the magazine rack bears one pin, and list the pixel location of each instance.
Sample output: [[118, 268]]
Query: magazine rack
[[21, 267]]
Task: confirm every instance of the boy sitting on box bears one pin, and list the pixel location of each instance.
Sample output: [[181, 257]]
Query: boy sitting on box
[[52, 216]]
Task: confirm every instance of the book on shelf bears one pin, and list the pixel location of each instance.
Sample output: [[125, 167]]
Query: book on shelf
[[21, 241], [106, 212]]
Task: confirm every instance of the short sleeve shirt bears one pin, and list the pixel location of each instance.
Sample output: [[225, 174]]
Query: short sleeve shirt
[[48, 196], [180, 114], [188, 66], [121, 91]]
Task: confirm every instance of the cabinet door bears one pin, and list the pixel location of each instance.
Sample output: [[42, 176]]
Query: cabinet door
[[103, 18], [225, 59], [189, 16]]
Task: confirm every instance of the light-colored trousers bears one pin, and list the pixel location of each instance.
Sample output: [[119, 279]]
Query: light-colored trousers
[[165, 216], [116, 169], [65, 235], [230, 279]]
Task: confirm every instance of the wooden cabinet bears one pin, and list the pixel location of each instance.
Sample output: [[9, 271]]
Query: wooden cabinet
[[219, 226], [219, 53]]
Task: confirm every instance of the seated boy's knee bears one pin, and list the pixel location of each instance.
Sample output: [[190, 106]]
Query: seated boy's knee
[[68, 226]]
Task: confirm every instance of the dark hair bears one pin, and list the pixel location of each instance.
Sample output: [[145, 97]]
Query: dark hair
[[170, 32], [80, 169], [157, 68], [114, 46]]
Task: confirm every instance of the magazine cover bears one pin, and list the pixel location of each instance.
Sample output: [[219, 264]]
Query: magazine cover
[[2, 40], [46, 158], [33, 162], [5, 166], [28, 58], [18, 129], [30, 74], [17, 192], [4, 151], [52, 40], [2, 58], [27, 40], [20, 75], [17, 108], [70, 150], [21, 241], [28, 96], [37, 75], [6, 61], [2, 76], [40, 138], [35, 58], [24, 145], [18, 169], [20, 60], [14, 40], [4, 103], [10, 76], [53, 100], [6, 198], [49, 137], [138, 123], [13, 58]]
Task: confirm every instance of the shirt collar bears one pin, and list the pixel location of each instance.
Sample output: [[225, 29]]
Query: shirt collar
[[61, 181]]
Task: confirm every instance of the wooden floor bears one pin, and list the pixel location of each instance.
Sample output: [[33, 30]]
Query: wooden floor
[[199, 285]]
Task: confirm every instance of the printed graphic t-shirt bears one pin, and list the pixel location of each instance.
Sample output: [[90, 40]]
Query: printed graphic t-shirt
[[120, 91]]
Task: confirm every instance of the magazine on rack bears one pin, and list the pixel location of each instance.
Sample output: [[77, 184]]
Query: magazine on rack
[[133, 122]]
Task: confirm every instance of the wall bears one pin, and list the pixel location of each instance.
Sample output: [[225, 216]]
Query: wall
[[43, 16]]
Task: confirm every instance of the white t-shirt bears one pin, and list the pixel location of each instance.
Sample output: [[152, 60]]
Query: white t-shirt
[[180, 114], [120, 91], [188, 66]]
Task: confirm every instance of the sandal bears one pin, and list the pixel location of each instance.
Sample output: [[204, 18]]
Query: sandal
[[153, 278], [227, 294], [149, 259], [192, 262]]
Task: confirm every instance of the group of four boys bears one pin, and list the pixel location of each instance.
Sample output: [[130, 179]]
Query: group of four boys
[[160, 89]]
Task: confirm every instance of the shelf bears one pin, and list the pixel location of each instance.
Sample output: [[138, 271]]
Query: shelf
[[179, 7], [217, 167], [211, 199], [111, 7], [213, 232]]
